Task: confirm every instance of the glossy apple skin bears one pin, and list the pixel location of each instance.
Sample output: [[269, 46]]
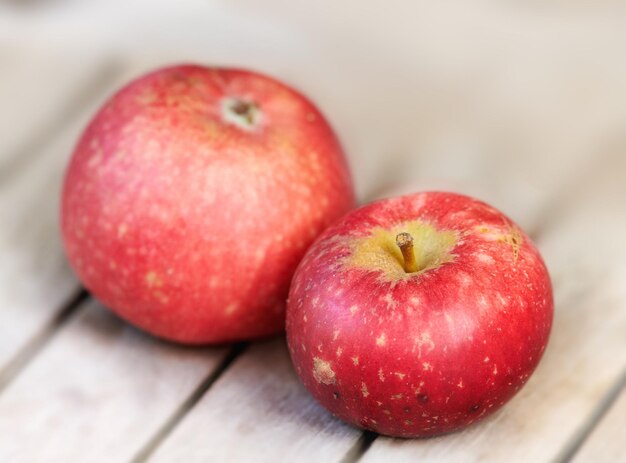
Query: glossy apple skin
[[189, 226], [431, 354]]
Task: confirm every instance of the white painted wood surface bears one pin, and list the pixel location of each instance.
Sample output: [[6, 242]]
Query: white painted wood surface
[[98, 392], [258, 410], [523, 105]]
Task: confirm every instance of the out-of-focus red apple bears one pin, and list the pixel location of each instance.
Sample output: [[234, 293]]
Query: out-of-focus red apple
[[419, 315], [192, 196]]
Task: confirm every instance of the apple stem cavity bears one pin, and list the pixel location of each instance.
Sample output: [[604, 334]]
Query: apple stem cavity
[[405, 243], [244, 114]]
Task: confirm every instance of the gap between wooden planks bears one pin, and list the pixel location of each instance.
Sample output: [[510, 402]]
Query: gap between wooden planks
[[97, 392], [34, 278], [71, 354], [606, 440]]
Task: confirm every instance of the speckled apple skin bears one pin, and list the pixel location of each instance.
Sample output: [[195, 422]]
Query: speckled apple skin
[[189, 226], [431, 354]]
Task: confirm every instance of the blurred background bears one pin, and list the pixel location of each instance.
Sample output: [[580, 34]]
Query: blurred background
[[520, 103], [473, 86]]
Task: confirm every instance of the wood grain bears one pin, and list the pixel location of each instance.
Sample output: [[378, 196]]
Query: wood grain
[[98, 392], [258, 409]]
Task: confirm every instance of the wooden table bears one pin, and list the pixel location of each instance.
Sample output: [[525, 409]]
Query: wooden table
[[522, 105]]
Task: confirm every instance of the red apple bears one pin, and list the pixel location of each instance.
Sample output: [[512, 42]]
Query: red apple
[[419, 315], [192, 196]]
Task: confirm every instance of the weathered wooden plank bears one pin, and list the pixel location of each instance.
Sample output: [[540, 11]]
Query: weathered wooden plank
[[34, 278], [587, 352], [606, 443], [97, 392], [258, 409]]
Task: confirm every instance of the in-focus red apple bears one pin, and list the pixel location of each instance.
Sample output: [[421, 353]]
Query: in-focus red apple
[[192, 196], [419, 315]]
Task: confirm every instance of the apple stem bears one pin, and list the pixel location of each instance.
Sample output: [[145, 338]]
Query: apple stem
[[244, 109], [244, 114], [405, 243]]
